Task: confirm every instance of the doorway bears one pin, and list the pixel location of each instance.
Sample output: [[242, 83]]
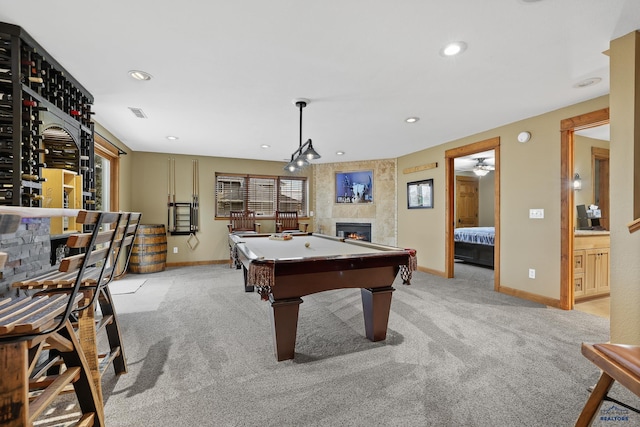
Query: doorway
[[567, 198], [450, 213]]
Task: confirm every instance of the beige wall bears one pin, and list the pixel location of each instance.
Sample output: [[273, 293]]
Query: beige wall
[[625, 147], [148, 183], [486, 207], [530, 178]]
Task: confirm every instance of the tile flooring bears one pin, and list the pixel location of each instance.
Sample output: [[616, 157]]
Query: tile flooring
[[599, 307]]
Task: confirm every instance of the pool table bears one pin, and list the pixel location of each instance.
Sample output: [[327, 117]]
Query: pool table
[[283, 271]]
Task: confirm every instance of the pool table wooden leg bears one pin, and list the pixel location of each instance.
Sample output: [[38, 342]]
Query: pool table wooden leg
[[284, 321], [376, 303], [246, 273]]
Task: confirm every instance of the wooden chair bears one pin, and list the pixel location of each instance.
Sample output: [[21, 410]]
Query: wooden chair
[[243, 222], [618, 362], [31, 324], [94, 288], [288, 221]]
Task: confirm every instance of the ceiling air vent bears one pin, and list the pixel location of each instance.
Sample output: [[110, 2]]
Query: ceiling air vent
[[138, 112]]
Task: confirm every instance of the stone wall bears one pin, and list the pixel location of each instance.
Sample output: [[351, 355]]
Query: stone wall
[[382, 213], [29, 251]]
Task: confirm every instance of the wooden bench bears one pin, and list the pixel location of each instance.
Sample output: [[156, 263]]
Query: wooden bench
[[618, 362], [29, 325], [114, 257]]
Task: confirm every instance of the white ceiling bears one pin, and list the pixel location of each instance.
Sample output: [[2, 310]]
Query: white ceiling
[[225, 72]]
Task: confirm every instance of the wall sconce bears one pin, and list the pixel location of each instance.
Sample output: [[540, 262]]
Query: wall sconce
[[577, 182]]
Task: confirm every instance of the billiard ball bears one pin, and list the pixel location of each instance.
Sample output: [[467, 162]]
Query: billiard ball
[[307, 244]]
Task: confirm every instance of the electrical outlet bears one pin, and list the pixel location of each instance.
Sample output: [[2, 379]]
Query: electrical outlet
[[536, 213], [532, 273], [175, 249]]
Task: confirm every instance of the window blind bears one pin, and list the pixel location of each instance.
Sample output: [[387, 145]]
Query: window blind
[[292, 196], [260, 194]]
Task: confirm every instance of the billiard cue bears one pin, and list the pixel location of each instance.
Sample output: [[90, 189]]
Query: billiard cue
[[197, 196], [169, 194], [175, 211]]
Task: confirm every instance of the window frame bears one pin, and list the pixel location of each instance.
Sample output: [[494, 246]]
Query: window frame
[[247, 191], [105, 149]]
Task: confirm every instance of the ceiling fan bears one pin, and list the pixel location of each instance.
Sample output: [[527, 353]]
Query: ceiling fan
[[481, 168]]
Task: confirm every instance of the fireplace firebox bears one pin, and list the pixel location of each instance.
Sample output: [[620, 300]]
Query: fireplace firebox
[[354, 230]]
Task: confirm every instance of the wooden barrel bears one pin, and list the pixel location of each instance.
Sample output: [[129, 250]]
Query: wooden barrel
[[149, 250]]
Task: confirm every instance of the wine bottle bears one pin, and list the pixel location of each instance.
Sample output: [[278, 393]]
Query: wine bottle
[[34, 178], [33, 196]]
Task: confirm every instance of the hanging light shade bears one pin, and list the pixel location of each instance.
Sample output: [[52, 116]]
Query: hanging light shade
[[480, 171], [481, 168], [291, 166], [310, 153], [301, 161], [305, 152]]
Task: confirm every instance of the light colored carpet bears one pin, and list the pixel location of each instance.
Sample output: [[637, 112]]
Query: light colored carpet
[[200, 353]]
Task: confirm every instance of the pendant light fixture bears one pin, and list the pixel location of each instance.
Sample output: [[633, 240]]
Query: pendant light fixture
[[305, 152]]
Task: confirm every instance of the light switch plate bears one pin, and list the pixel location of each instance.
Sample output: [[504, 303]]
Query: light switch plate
[[536, 213]]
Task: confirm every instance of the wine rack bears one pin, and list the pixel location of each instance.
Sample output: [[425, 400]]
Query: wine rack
[[45, 122]]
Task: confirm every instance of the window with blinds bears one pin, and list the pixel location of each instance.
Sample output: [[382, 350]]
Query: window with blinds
[[260, 194], [293, 195], [230, 194]]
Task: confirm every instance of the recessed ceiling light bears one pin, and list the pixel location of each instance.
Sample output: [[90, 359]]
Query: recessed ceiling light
[[588, 82], [340, 153], [140, 75], [172, 138], [265, 146], [453, 49], [411, 119]]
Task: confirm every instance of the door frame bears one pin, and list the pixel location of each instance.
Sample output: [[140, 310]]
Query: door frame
[[450, 173], [567, 129]]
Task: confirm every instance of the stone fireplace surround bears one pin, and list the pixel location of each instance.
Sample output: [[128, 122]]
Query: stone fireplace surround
[[381, 214]]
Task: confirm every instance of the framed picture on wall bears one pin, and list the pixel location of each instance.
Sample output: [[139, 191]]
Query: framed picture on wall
[[354, 187], [420, 194]]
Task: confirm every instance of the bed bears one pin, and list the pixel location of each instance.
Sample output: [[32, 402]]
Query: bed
[[474, 245]]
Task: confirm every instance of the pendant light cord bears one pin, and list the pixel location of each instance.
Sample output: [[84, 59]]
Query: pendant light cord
[[302, 105]]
